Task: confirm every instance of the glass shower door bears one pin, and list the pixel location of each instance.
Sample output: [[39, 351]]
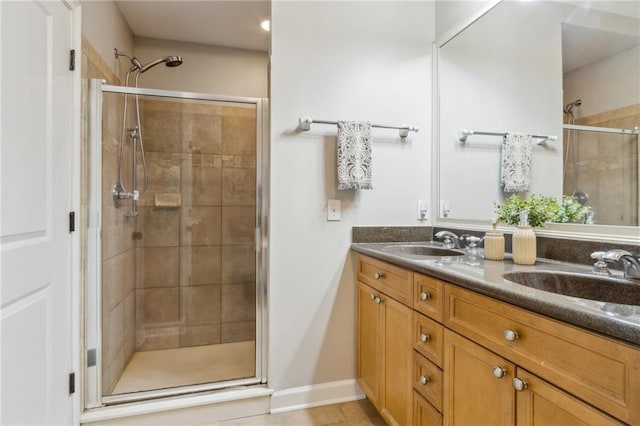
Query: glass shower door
[[179, 265]]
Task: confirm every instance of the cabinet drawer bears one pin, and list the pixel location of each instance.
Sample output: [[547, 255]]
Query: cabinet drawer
[[391, 280], [428, 338], [427, 380], [423, 413], [428, 296], [596, 369]]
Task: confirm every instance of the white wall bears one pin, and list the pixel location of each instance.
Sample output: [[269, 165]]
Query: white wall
[[105, 28], [450, 14], [206, 69], [593, 83], [351, 61]]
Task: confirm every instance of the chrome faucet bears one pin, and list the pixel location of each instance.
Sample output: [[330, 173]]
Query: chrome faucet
[[449, 239], [630, 263]]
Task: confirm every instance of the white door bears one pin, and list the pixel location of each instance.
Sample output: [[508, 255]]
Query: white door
[[35, 150]]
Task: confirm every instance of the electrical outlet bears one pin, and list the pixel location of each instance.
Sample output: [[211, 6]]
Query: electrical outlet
[[444, 208], [333, 209], [423, 210]]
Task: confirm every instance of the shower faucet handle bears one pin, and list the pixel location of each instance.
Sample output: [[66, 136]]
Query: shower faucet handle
[[136, 195]]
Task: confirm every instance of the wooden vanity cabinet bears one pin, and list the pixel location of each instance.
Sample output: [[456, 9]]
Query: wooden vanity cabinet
[[385, 340], [432, 353], [481, 389], [576, 364]]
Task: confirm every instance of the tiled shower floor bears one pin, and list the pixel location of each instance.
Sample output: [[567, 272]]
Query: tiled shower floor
[[187, 366]]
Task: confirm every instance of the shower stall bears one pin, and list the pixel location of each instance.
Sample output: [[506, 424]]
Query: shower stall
[[176, 265], [601, 163]]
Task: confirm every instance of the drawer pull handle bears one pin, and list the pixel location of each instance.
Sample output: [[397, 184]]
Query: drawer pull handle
[[378, 275], [511, 335], [519, 384], [377, 300], [499, 372], [425, 295], [424, 380], [424, 338], [372, 296]]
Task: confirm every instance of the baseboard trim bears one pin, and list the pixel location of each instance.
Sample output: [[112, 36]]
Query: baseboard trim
[[315, 395]]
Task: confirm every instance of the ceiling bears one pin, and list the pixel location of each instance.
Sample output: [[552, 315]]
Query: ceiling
[[228, 23], [582, 46]]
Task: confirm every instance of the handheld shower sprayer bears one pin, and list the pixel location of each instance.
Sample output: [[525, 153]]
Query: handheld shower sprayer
[[135, 132]]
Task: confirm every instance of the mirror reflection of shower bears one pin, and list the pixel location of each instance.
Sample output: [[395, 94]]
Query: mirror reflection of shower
[[572, 137], [134, 133]]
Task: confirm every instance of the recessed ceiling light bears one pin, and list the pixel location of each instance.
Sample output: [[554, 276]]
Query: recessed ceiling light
[[266, 25]]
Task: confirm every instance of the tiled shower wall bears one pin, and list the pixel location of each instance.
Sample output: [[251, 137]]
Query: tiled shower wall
[[195, 268], [607, 166], [118, 254]]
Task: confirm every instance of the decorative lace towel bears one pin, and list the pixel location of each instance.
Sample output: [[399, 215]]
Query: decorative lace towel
[[354, 155], [515, 165]]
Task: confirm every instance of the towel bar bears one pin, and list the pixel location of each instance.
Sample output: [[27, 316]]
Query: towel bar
[[305, 123], [463, 134]]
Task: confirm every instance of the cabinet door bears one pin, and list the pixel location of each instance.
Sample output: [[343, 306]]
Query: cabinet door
[[477, 388], [397, 400], [423, 413], [542, 404], [369, 344]]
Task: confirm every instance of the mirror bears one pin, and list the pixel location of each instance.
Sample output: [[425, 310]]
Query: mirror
[[565, 70]]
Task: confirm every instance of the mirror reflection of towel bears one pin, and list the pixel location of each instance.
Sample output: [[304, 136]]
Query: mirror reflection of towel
[[354, 155], [515, 165]]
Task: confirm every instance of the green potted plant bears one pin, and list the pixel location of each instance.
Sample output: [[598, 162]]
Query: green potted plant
[[525, 214], [571, 211]]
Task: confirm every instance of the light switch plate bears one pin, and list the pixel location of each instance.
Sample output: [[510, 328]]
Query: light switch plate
[[333, 209]]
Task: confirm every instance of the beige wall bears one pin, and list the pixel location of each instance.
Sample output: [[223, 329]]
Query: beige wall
[[206, 69], [105, 28], [351, 61]]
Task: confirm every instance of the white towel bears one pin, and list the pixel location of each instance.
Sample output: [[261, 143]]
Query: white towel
[[354, 155], [515, 165]]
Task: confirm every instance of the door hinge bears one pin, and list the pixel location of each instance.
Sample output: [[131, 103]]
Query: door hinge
[[72, 383], [72, 221], [72, 60]]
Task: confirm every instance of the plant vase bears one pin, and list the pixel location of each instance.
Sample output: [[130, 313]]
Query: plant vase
[[524, 246]]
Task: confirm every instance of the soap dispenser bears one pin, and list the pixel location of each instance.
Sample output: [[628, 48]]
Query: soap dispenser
[[524, 242], [494, 243]]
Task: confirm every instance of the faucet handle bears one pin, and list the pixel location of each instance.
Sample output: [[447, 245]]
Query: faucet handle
[[600, 267]]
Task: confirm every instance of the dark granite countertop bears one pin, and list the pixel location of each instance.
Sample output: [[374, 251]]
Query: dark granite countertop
[[485, 276]]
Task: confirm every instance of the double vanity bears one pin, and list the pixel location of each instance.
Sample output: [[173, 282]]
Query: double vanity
[[446, 337]]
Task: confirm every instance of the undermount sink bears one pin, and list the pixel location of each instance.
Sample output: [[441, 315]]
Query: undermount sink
[[423, 250], [603, 289]]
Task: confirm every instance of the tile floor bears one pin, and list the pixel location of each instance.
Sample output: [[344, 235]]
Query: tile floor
[[187, 366], [355, 413]]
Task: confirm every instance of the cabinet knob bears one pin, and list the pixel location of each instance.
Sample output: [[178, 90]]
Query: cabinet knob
[[519, 384], [377, 300], [377, 275], [424, 380], [424, 338], [499, 372], [511, 335], [372, 296], [425, 295]]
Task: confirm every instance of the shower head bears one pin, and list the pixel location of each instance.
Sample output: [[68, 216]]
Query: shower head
[[169, 61], [568, 108], [136, 63]]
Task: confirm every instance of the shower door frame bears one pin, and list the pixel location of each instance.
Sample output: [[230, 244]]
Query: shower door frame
[[91, 339]]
